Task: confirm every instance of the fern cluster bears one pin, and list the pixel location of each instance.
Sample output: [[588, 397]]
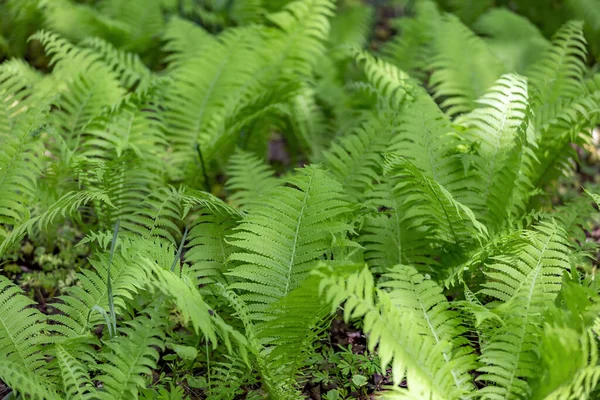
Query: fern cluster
[[415, 195]]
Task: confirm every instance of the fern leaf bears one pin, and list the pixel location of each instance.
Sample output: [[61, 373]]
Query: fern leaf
[[526, 286], [129, 358], [24, 382], [249, 179], [208, 250], [76, 382], [463, 67], [499, 128], [412, 355], [280, 238], [22, 340], [432, 204]]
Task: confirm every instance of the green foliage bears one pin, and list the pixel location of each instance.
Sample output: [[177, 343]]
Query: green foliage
[[210, 183]]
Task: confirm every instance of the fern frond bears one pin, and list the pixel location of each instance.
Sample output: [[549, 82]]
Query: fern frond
[[392, 85], [462, 66], [157, 216], [21, 152], [76, 381], [432, 204], [558, 75], [24, 382], [393, 235], [570, 360], [412, 355], [182, 288], [249, 179], [280, 237], [208, 251], [499, 128], [133, 73], [207, 88], [130, 357], [426, 138], [411, 49], [526, 286], [78, 303], [515, 40], [412, 292], [304, 28], [355, 159], [22, 339]]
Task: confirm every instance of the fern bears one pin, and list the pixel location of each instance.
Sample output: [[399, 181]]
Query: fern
[[307, 223], [23, 339], [499, 129], [130, 357], [459, 85], [526, 288]]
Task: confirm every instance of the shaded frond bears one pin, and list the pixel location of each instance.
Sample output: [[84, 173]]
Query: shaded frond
[[463, 66], [250, 179], [22, 340], [130, 357]]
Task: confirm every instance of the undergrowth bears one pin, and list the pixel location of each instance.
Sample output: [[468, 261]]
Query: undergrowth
[[198, 199]]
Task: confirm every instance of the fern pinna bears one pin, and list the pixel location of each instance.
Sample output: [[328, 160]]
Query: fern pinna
[[236, 180]]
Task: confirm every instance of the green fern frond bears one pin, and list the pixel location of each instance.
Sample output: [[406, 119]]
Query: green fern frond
[[526, 286], [411, 49], [280, 238], [355, 159], [392, 85], [21, 152], [143, 19], [412, 355], [24, 382], [207, 88], [558, 75], [182, 288], [515, 40], [304, 26], [433, 205], [129, 358], [22, 339], [208, 251], [462, 66], [78, 304], [499, 129], [76, 381], [412, 292], [133, 73], [570, 361], [157, 216], [249, 179], [426, 138], [392, 235]]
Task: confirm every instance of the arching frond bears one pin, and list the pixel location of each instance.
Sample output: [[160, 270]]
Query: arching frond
[[526, 286], [432, 205], [499, 129], [463, 67], [412, 292], [413, 356]]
